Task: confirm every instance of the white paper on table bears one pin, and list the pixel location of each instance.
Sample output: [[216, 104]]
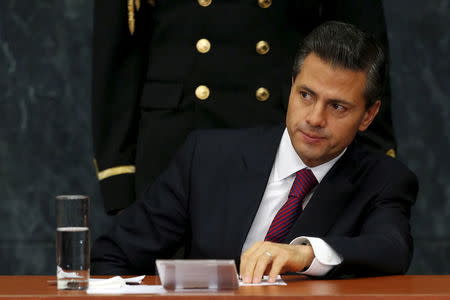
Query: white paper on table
[[117, 285], [129, 289], [61, 274], [264, 281]]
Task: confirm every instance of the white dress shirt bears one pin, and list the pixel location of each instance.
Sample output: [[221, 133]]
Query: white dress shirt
[[281, 178]]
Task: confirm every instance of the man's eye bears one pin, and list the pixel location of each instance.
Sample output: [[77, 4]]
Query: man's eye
[[338, 107], [304, 95]]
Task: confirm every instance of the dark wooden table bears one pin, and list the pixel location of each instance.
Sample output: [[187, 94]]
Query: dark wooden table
[[299, 287]]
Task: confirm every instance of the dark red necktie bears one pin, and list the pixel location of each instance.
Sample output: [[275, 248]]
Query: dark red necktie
[[304, 182]]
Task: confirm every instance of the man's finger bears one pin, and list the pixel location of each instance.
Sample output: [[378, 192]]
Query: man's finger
[[242, 265], [277, 264], [249, 253], [248, 268], [262, 263]]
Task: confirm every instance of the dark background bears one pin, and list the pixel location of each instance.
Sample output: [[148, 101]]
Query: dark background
[[45, 139]]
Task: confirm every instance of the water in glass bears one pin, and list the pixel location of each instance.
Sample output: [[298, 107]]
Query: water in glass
[[72, 257]]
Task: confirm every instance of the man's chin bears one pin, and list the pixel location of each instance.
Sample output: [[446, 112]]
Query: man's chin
[[310, 157]]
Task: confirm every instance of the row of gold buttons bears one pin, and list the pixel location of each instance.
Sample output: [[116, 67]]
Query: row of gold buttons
[[204, 45], [202, 92], [261, 3]]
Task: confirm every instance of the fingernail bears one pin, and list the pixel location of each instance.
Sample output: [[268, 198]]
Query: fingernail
[[246, 279]]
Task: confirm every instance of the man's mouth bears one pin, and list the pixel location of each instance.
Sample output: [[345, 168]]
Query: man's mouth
[[311, 137]]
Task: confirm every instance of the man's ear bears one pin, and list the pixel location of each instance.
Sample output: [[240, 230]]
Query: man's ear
[[369, 115]]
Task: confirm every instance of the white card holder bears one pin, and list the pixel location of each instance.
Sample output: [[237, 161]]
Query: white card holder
[[178, 274]]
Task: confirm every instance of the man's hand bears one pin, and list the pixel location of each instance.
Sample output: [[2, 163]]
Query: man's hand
[[273, 259]]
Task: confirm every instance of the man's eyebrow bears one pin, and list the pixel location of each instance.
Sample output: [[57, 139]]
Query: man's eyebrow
[[341, 101], [333, 100], [304, 87]]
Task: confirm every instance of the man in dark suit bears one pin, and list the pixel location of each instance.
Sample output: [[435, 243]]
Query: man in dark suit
[[302, 198], [189, 65]]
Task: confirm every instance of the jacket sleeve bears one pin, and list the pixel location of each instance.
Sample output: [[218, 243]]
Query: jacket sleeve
[[153, 227], [368, 15], [383, 245], [119, 67]]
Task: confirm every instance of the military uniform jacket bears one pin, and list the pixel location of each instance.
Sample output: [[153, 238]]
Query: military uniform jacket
[[198, 64]]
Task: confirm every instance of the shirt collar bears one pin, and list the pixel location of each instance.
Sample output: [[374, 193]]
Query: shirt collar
[[287, 161]]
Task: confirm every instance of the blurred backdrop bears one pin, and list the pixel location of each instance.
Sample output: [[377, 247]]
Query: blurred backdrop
[[45, 137]]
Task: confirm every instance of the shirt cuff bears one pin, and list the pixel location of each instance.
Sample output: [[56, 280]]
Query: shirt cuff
[[325, 257]]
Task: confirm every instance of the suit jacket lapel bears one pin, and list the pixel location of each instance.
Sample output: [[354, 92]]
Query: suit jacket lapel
[[329, 199], [258, 155]]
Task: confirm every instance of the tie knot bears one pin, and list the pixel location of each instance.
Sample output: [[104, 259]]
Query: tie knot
[[304, 182]]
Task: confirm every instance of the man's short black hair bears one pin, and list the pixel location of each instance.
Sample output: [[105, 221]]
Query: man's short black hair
[[345, 46]]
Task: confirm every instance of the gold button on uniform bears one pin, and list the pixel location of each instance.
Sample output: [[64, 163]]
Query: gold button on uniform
[[203, 46], [264, 3], [204, 3], [202, 92], [262, 94], [262, 47], [391, 153]]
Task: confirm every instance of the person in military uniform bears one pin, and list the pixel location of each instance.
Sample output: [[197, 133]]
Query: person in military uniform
[[163, 68]]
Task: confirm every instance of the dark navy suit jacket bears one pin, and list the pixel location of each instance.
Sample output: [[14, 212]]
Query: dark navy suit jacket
[[208, 197]]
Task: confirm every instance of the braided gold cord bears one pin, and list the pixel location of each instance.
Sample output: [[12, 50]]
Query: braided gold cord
[[133, 5], [128, 169]]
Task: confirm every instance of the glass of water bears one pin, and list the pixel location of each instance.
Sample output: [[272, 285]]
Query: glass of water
[[72, 242]]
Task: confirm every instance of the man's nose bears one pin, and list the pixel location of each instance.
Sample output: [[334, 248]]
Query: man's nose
[[316, 116]]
